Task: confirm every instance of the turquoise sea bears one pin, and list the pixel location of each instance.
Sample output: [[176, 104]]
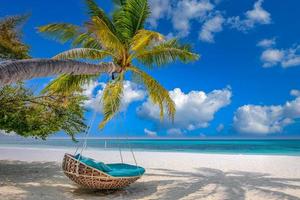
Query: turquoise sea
[[269, 147]]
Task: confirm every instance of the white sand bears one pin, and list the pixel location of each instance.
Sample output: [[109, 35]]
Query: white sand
[[36, 174]]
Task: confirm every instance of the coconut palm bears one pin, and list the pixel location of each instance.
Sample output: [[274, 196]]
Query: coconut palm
[[121, 39]]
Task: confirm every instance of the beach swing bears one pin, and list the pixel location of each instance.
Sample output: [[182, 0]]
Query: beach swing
[[91, 174]]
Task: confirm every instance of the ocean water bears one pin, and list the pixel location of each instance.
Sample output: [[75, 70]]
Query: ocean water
[[266, 147]]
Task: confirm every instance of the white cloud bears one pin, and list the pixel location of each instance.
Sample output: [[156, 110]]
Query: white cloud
[[188, 10], [170, 36], [174, 132], [194, 110], [292, 57], [210, 27], [272, 56], [150, 133], [132, 92], [220, 127], [204, 13], [295, 93], [256, 119], [159, 10], [267, 43], [257, 15]]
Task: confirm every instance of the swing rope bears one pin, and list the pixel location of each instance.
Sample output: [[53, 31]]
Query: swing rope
[[87, 132], [128, 143]]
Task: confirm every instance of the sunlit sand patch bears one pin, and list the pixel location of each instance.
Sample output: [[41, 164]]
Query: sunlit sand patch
[[11, 191], [32, 184]]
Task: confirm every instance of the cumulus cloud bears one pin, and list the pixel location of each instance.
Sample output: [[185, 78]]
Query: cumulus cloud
[[258, 15], [188, 10], [295, 93], [150, 133], [272, 56], [292, 57], [174, 132], [132, 92], [257, 119], [181, 13], [194, 110], [266, 43], [210, 27], [204, 13], [159, 10]]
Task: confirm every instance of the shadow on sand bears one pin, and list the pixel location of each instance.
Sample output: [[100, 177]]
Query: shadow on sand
[[35, 180]]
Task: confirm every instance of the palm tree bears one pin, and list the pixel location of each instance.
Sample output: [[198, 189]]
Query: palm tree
[[123, 40]]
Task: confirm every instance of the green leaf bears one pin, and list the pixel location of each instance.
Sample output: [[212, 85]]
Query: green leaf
[[131, 17], [165, 53], [40, 116], [84, 53], [157, 93], [11, 46], [111, 99], [119, 2], [96, 11], [144, 38], [107, 38], [67, 84], [87, 40], [62, 32]]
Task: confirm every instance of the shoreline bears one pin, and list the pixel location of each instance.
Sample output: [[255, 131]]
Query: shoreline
[[56, 155], [144, 150]]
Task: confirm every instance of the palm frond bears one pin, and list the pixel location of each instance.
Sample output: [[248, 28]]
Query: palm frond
[[84, 53], [111, 99], [166, 52], [12, 22], [131, 17], [107, 38], [10, 48], [119, 2], [62, 32], [68, 84], [11, 45], [144, 38], [93, 8], [87, 40], [96, 11], [157, 93]]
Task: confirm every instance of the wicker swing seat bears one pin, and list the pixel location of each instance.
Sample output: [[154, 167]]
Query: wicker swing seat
[[92, 178]]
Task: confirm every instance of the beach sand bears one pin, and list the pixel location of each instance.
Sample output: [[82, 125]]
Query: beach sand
[[36, 174]]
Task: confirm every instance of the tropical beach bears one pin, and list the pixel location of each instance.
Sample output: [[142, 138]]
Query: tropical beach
[[149, 100], [169, 176]]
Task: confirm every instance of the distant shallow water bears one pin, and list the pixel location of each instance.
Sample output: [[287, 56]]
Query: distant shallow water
[[265, 147]]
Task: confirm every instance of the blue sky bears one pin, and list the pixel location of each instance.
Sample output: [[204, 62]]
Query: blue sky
[[245, 84]]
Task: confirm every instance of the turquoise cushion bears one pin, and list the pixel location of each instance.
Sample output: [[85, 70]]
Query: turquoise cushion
[[125, 170], [116, 170], [91, 162]]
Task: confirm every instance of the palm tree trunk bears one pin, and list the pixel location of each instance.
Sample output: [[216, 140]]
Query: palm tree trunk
[[12, 71]]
